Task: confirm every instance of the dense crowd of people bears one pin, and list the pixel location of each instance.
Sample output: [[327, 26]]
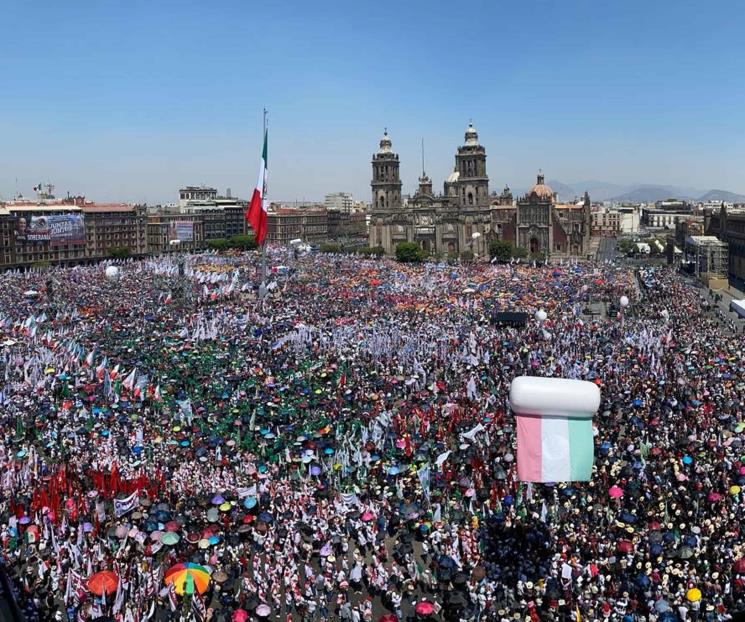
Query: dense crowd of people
[[176, 447]]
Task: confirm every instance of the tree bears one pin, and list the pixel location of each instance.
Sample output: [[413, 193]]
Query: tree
[[119, 252], [371, 250], [502, 250], [330, 247], [243, 242], [520, 252], [466, 256], [409, 252], [626, 246], [219, 244]]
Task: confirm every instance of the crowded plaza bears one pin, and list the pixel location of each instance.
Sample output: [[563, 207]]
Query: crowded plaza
[[181, 444]]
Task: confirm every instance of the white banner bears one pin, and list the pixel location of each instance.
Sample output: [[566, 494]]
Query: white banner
[[124, 506]]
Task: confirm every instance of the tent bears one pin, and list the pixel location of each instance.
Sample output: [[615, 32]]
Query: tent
[[738, 306]]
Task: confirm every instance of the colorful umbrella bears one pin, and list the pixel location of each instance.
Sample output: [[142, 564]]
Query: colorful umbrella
[[103, 582], [188, 575], [694, 594], [424, 608], [615, 492]]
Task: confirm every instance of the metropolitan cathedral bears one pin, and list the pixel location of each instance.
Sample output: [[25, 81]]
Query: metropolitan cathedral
[[465, 217]]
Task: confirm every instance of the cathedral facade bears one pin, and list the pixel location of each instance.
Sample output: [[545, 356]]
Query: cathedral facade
[[440, 224], [465, 217]]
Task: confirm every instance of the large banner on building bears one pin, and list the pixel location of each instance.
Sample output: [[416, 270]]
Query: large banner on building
[[182, 230], [57, 229], [66, 229]]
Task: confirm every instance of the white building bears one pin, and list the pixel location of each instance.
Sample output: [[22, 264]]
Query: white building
[[629, 218], [339, 202], [196, 193]]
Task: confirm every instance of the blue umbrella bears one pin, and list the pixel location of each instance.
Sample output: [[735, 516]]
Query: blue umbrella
[[265, 517], [642, 581], [394, 470], [249, 503]]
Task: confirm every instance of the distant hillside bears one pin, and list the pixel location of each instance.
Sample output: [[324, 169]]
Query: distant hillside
[[722, 195], [633, 193], [652, 193], [600, 190], [565, 192]]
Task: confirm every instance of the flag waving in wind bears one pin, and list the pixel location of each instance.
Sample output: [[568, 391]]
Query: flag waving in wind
[[256, 214]]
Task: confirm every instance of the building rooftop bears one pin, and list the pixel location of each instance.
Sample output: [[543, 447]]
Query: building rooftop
[[43, 208], [107, 207], [704, 240]]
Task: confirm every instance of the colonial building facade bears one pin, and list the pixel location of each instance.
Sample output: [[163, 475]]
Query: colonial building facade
[[438, 223], [543, 226], [465, 217]]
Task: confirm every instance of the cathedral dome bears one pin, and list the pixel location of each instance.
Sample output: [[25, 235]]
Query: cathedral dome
[[472, 137], [385, 143], [541, 190], [454, 176]]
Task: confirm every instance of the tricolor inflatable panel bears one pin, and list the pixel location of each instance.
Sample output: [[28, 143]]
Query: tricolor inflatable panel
[[554, 428]]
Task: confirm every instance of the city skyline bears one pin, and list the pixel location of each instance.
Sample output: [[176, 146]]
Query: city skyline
[[131, 103]]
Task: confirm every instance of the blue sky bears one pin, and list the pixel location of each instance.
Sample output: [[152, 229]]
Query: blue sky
[[130, 100]]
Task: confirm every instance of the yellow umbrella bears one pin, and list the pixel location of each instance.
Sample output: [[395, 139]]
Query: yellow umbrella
[[694, 594], [734, 490]]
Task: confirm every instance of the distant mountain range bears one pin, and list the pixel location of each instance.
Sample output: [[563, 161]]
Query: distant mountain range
[[635, 193]]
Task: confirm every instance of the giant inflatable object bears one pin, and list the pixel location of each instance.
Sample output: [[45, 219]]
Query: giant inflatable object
[[554, 428]]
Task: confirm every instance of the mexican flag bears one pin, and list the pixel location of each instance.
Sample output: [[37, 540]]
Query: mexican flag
[[256, 214]]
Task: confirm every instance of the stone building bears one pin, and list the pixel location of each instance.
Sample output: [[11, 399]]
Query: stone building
[[286, 223], [543, 226], [440, 224], [7, 238], [163, 228], [729, 226], [114, 225], [465, 217]]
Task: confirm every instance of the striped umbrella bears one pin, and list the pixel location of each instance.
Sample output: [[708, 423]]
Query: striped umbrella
[[188, 578]]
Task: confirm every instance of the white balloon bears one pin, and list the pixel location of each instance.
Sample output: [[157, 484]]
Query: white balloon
[[112, 273], [541, 315], [624, 301]]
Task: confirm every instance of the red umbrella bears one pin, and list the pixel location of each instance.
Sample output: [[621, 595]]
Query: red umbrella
[[388, 618], [625, 546], [424, 608], [104, 581], [740, 566], [239, 615]]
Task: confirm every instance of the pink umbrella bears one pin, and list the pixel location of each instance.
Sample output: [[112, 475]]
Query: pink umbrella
[[368, 516], [424, 608], [714, 496], [615, 492], [239, 615]]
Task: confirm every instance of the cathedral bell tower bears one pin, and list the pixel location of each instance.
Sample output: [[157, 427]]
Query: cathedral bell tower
[[470, 166], [386, 180]]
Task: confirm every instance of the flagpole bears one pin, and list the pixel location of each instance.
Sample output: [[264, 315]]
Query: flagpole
[[262, 288]]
